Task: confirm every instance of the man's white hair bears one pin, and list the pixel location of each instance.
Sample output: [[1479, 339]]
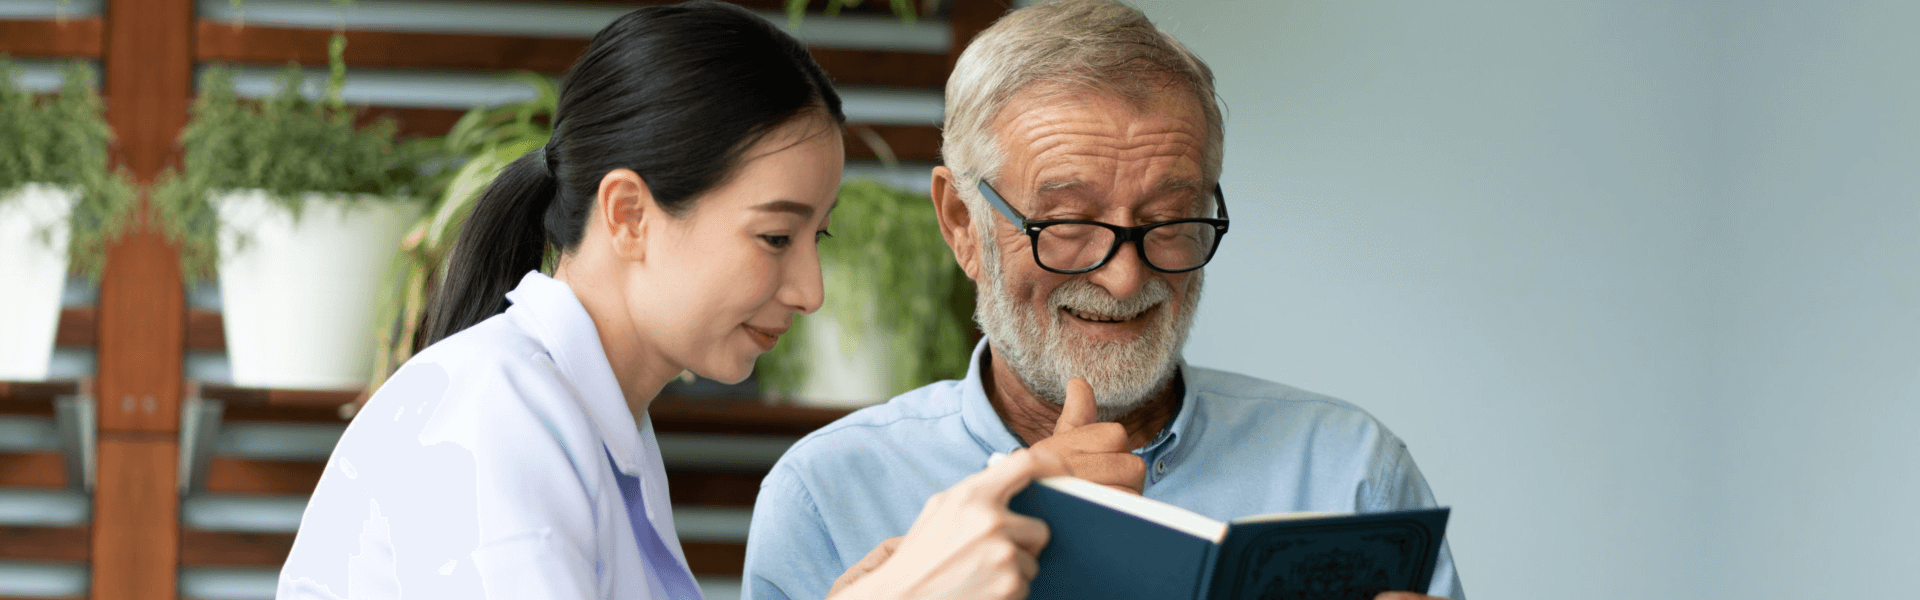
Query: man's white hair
[[1098, 45]]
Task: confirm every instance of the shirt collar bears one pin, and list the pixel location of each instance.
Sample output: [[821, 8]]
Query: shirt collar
[[549, 310], [993, 435]]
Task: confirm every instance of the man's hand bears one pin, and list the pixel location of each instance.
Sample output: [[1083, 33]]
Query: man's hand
[[1097, 451]]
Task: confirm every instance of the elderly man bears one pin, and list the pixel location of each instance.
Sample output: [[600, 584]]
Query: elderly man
[[1083, 150]]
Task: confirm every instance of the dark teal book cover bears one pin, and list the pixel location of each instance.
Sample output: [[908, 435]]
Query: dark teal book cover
[[1109, 544]]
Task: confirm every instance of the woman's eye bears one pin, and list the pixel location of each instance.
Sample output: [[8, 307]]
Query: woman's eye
[[821, 235], [777, 241]]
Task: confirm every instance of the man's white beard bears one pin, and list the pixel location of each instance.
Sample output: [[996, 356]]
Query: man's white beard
[[1124, 375]]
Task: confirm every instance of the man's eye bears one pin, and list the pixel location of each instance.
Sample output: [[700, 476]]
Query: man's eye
[[821, 235], [777, 241]]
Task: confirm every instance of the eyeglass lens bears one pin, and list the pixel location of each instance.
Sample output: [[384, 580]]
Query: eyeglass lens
[[1172, 247]]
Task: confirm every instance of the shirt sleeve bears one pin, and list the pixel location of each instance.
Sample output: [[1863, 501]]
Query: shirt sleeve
[[790, 555], [1396, 484]]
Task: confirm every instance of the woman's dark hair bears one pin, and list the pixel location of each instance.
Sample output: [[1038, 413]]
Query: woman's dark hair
[[677, 94]]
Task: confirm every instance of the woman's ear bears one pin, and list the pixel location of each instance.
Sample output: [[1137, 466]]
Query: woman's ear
[[627, 210]]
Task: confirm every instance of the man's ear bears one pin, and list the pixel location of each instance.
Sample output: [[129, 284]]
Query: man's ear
[[626, 208], [956, 225]]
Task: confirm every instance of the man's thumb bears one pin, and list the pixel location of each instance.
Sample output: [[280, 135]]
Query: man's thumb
[[1079, 408]]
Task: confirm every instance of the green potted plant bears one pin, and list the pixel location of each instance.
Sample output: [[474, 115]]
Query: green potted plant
[[60, 205], [484, 141], [297, 209], [897, 311]]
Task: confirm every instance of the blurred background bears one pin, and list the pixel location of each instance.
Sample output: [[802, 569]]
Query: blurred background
[[1638, 281]]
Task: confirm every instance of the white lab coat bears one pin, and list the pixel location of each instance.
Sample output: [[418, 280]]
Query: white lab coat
[[481, 470]]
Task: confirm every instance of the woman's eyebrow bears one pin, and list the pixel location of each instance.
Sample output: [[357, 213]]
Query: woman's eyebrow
[[788, 206]]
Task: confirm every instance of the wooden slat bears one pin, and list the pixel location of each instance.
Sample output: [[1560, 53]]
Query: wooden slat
[[78, 38], [34, 397], [715, 558], [814, 7], [670, 413], [882, 67], [220, 41], [24, 542], [685, 415], [282, 414], [234, 549], [700, 487], [33, 470], [414, 122], [204, 331], [38, 391], [79, 326], [234, 395], [233, 475], [230, 475], [908, 143], [967, 18]]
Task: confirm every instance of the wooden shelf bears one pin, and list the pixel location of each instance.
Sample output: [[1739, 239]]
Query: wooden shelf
[[36, 397], [40, 391], [75, 38]]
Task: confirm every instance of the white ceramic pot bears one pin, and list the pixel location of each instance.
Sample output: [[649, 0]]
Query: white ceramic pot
[[298, 296], [33, 269], [843, 373]]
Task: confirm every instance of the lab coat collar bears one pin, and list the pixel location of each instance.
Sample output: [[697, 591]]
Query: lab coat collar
[[549, 310]]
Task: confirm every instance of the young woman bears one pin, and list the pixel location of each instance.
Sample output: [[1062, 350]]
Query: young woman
[[695, 160]]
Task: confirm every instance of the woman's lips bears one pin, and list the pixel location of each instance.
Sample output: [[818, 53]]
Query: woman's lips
[[765, 338]]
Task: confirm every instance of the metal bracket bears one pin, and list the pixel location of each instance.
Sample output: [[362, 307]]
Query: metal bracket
[[199, 429], [76, 418]]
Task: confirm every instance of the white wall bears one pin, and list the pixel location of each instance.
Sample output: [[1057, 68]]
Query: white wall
[[1818, 477], [1639, 282]]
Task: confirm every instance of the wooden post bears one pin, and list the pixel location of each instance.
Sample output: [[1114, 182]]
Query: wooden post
[[148, 61]]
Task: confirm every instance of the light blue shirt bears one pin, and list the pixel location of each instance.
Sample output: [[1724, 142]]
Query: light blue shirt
[[501, 462], [1240, 446]]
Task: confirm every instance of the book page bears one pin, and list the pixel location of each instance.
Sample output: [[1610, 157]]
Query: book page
[[1289, 516], [1174, 517]]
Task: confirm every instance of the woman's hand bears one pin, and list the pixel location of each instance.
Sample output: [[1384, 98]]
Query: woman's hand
[[866, 565], [965, 544]]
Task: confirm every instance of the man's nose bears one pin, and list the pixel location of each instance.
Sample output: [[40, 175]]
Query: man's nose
[[1125, 274]]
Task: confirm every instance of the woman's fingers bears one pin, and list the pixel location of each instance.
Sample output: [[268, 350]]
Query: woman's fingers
[[1029, 566], [1026, 532], [1001, 480]]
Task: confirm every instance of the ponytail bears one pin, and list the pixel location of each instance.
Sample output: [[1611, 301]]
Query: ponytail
[[502, 240]]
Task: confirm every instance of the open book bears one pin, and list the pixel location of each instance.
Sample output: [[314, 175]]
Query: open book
[[1110, 544]]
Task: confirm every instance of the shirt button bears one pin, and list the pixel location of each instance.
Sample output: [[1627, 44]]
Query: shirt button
[[1160, 467]]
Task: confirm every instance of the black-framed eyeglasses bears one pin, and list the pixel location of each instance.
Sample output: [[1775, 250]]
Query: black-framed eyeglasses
[[1071, 247]]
